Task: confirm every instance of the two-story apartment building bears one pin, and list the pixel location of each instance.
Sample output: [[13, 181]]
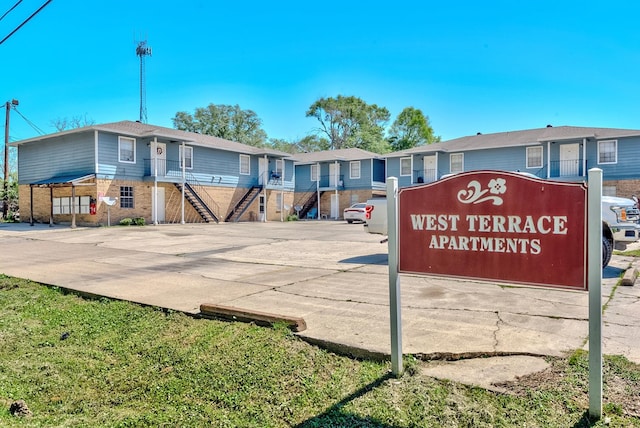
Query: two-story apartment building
[[560, 153], [162, 175], [329, 181]]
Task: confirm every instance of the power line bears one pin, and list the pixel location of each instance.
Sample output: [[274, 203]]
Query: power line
[[25, 21], [31, 124], [13, 7]]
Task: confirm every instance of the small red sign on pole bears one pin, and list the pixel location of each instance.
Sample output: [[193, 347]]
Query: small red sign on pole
[[494, 225]]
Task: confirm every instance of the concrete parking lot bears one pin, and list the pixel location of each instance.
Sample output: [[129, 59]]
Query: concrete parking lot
[[335, 276]]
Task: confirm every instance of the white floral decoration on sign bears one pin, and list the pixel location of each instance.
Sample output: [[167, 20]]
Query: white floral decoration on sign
[[474, 194]]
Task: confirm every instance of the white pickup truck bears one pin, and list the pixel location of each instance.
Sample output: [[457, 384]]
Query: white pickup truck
[[620, 217]]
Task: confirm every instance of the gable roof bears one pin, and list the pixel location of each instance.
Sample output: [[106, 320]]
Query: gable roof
[[351, 154], [519, 138], [145, 130]]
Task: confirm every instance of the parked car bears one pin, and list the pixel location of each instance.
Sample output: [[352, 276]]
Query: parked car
[[356, 212]]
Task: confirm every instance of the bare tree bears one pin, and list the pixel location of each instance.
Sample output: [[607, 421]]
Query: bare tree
[[63, 123]]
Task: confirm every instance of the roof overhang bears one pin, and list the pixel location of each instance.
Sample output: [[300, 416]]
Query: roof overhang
[[65, 181]]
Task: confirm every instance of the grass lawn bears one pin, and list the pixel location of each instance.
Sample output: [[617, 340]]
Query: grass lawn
[[78, 363]]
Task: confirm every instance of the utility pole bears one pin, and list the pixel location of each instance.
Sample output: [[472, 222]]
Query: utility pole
[[5, 198]]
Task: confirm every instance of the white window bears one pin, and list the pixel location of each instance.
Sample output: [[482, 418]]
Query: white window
[[279, 172], [608, 151], [354, 169], [63, 205], [405, 166], [83, 203], [245, 164], [534, 157], [278, 202], [188, 157], [456, 163], [127, 149], [314, 172]]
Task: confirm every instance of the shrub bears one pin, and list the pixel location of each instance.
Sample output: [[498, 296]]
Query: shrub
[[292, 217], [126, 221], [139, 221]]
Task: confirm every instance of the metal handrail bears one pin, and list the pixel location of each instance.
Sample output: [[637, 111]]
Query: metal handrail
[[201, 192]]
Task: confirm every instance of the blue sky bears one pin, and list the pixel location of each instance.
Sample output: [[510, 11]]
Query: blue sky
[[470, 66]]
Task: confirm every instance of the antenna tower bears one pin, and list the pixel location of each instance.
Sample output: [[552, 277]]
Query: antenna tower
[[142, 50]]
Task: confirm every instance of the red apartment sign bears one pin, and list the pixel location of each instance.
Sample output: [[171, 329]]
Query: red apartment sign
[[493, 225]]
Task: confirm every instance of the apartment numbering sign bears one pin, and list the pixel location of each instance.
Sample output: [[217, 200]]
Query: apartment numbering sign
[[494, 225]]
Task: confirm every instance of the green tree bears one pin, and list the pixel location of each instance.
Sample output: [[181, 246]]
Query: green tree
[[11, 196], [411, 129], [310, 143], [224, 121], [351, 122]]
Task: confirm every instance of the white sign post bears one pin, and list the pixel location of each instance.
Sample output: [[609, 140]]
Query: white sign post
[[394, 277], [593, 275], [594, 233]]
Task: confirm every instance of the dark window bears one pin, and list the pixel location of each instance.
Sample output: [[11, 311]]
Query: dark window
[[126, 196]]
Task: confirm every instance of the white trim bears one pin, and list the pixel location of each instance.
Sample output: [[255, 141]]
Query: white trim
[[528, 157], [615, 152], [359, 170], [248, 172], [451, 156], [281, 168], [95, 150], [133, 141], [410, 166], [187, 149], [317, 174]]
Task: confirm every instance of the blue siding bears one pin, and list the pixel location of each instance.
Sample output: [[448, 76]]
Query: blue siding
[[289, 175], [221, 168], [628, 162], [109, 165], [506, 159], [303, 178], [64, 155], [364, 182]]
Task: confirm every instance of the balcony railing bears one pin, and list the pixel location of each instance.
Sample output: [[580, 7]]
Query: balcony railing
[[566, 168], [425, 175], [331, 181], [165, 168]]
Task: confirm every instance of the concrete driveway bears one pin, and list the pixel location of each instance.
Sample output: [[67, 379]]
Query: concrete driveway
[[335, 276]]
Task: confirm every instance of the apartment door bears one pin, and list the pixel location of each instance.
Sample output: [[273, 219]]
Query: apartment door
[[262, 171], [335, 205], [334, 174], [160, 211], [569, 160], [430, 169], [161, 156]]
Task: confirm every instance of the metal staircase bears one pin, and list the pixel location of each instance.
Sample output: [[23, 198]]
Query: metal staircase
[[243, 204], [310, 202], [200, 201]]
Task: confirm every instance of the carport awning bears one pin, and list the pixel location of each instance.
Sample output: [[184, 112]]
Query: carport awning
[[65, 180]]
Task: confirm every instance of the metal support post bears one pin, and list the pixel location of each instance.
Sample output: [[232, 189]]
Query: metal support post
[[394, 277], [594, 260]]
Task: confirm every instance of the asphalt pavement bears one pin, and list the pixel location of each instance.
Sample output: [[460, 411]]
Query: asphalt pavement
[[335, 276]]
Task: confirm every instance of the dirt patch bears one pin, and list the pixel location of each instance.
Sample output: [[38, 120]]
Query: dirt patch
[[621, 383]]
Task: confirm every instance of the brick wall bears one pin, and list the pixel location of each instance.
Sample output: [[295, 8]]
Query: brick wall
[[42, 203], [224, 197], [346, 198], [624, 188]]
